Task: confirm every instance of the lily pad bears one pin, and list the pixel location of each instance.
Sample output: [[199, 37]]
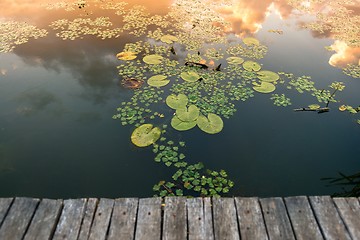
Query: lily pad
[[211, 124], [314, 106], [145, 135], [168, 39], [190, 76], [268, 76], [235, 60], [126, 56], [342, 108], [251, 41], [188, 114], [179, 125], [158, 81], [178, 101], [251, 66], [264, 87], [153, 59]]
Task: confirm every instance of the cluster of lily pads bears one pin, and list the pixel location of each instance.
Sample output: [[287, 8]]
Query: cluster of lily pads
[[280, 100], [352, 70]]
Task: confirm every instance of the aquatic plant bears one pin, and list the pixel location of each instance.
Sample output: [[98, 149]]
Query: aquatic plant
[[264, 87], [352, 70], [158, 81], [145, 135], [280, 100]]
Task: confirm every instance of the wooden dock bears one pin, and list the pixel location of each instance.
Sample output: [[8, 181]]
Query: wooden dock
[[318, 217]]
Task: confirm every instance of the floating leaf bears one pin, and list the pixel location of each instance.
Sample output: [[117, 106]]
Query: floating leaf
[[264, 87], [145, 135], [251, 66], [211, 124], [314, 106], [168, 39], [153, 59], [235, 60], [126, 56], [251, 41], [190, 76], [180, 125], [342, 108], [158, 81], [178, 101], [188, 114], [268, 76]]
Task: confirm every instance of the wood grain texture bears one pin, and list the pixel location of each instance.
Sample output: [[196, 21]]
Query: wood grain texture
[[4, 207], [148, 225], [199, 215], [102, 218], [45, 219], [328, 218], [123, 219], [349, 209], [225, 219], [174, 226], [18, 218], [70, 219], [276, 219], [250, 217], [89, 214], [302, 218]]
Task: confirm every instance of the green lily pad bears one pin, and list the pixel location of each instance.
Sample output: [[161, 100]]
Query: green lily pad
[[264, 87], [268, 76], [126, 56], [190, 76], [188, 114], [158, 81], [153, 59], [251, 41], [168, 39], [251, 66], [235, 60], [176, 102], [314, 106], [211, 124], [145, 135], [180, 125]]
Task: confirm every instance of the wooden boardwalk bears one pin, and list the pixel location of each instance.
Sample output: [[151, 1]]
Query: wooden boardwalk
[[180, 218]]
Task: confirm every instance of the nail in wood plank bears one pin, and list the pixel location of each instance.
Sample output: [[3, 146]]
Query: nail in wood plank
[[70, 219], [199, 217], [250, 217], [4, 207], [276, 220], [225, 219], [44, 221], [328, 217], [349, 209], [148, 225], [18, 218], [302, 218], [102, 219], [174, 226], [123, 219], [90, 209]]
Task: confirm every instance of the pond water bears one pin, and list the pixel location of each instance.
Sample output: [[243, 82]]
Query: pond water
[[61, 90]]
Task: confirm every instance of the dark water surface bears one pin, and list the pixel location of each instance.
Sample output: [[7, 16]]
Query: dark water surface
[[58, 138]]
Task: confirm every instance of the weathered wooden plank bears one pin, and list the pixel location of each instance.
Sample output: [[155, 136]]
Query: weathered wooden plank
[[70, 219], [199, 215], [44, 221], [349, 209], [174, 226], [328, 218], [302, 218], [276, 220], [102, 218], [90, 209], [225, 219], [148, 225], [251, 221], [123, 219], [4, 207], [18, 218]]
